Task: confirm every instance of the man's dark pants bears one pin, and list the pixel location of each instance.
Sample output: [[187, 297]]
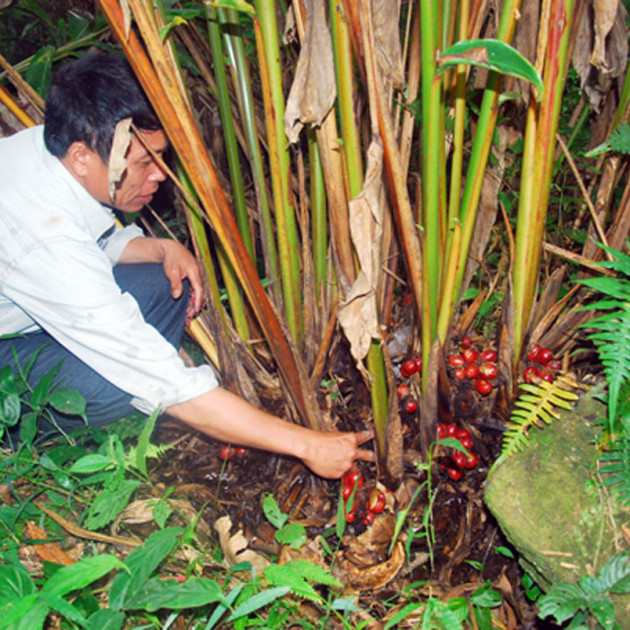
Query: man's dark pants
[[105, 402]]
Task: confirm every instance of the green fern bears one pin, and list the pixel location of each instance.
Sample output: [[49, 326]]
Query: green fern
[[619, 140], [152, 451], [616, 467], [535, 407], [566, 601], [613, 338], [297, 574]]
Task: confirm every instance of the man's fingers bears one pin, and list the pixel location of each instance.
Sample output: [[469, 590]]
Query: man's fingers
[[365, 455], [364, 436]]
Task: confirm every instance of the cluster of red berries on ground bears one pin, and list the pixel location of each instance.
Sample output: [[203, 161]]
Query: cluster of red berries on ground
[[227, 451], [351, 482], [457, 461], [542, 365], [479, 367], [409, 368]]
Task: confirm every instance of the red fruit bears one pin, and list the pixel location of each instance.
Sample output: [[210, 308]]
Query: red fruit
[[460, 373], [489, 370], [544, 356], [454, 473], [459, 459], [346, 492], [377, 502], [419, 365], [352, 479], [483, 386], [530, 374], [533, 353], [470, 461], [554, 364], [455, 360], [411, 405], [240, 450], [350, 516], [441, 431], [462, 433], [466, 342], [226, 452], [451, 430], [546, 375], [408, 368], [471, 370], [402, 390], [467, 443], [368, 519], [488, 356], [470, 355]]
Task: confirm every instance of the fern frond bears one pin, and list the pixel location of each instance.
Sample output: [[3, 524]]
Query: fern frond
[[153, 450], [616, 468], [619, 140], [534, 408], [297, 574]]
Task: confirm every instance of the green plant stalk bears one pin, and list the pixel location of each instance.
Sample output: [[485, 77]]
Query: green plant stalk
[[319, 218], [229, 134], [236, 52], [430, 168], [535, 184], [457, 257], [269, 57]]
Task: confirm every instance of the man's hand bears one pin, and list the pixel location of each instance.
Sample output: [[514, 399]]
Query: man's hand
[[228, 418], [177, 261]]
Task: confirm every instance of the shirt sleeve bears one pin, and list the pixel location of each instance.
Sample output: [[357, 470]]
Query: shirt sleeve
[[114, 242], [79, 304]]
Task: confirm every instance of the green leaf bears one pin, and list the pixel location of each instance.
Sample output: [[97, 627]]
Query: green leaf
[[144, 440], [14, 582], [238, 5], [141, 563], [260, 600], [562, 602], [157, 593], [486, 597], [106, 619], [493, 55], [401, 615], [64, 608], [272, 512], [32, 619], [42, 389], [68, 401], [91, 464], [10, 410], [223, 607], [109, 504], [81, 573], [293, 534], [15, 608], [7, 380]]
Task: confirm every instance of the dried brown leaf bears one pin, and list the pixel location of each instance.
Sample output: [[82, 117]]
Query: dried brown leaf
[[50, 551]]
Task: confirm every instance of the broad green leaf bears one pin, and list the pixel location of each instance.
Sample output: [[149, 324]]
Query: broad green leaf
[[293, 534], [401, 615], [273, 513], [141, 564], [106, 619], [260, 600], [10, 410], [42, 389], [493, 55], [64, 608], [14, 582], [33, 619], [15, 608], [81, 573], [109, 504], [157, 593], [223, 607], [7, 380], [238, 5], [68, 401], [90, 464]]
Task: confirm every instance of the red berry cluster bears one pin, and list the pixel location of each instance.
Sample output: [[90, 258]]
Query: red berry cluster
[[480, 367], [544, 365], [375, 504], [456, 461], [227, 452], [409, 368]]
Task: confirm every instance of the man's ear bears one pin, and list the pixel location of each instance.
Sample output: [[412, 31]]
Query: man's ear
[[77, 159]]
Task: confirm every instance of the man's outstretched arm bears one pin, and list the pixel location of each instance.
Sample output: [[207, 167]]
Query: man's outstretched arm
[[226, 417]]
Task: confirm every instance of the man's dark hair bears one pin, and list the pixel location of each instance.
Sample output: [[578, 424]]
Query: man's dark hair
[[88, 98]]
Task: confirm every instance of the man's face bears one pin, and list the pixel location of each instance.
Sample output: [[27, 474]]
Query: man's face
[[140, 180]]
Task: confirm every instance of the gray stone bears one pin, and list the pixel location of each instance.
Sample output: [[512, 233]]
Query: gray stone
[[553, 509]]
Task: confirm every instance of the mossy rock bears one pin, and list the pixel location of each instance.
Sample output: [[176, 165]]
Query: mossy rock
[[553, 509]]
